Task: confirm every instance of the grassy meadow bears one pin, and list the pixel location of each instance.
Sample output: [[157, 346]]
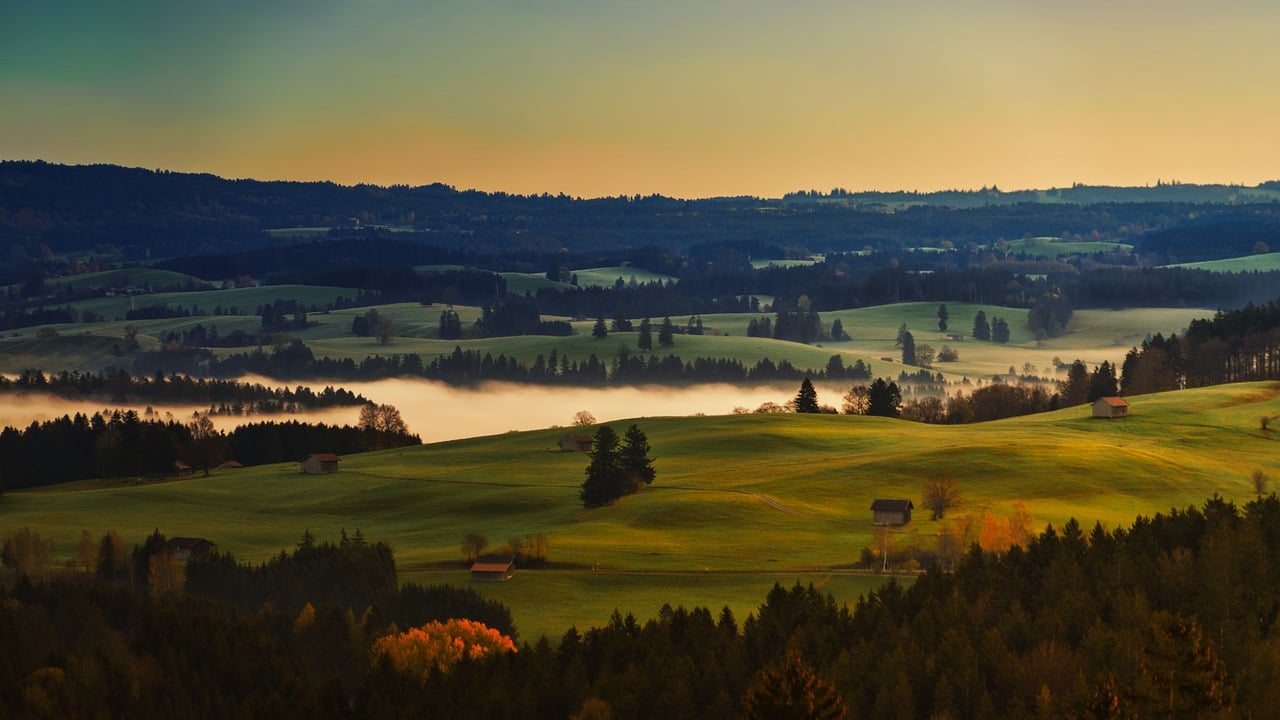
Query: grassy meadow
[[1262, 262], [739, 500], [1093, 336]]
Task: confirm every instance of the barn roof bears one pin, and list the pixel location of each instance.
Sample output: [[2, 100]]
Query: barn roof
[[326, 457], [492, 563], [892, 505], [1114, 401], [186, 542]]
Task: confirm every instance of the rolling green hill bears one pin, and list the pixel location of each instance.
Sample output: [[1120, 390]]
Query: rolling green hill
[[751, 497], [1263, 262]]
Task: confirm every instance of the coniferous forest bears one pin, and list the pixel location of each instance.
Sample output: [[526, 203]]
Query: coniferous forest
[[1173, 616]]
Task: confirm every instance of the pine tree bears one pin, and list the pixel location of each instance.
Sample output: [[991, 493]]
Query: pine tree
[[666, 334], [981, 330], [908, 348], [807, 399], [600, 331], [634, 459], [602, 485], [999, 330], [645, 341], [837, 330], [943, 316]]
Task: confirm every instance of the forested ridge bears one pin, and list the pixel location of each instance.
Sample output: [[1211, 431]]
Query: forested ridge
[[1173, 616]]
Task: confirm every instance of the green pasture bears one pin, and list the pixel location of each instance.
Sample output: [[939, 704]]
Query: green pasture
[[298, 232], [1093, 336], [762, 495], [608, 276], [766, 262], [124, 277], [244, 300], [549, 603], [1263, 262], [1053, 247]]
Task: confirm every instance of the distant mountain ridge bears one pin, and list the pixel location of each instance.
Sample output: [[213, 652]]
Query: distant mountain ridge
[[146, 214]]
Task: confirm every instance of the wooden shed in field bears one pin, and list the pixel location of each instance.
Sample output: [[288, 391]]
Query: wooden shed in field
[[576, 442], [1110, 407], [318, 463], [186, 548], [493, 568], [891, 512]]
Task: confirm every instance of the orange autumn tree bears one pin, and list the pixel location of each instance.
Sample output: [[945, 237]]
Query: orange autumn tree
[[1000, 534], [438, 647]]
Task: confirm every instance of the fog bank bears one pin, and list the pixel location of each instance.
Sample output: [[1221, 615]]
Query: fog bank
[[436, 411]]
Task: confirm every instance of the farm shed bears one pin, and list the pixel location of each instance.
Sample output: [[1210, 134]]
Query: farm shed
[[576, 442], [181, 469], [319, 463], [1110, 407], [891, 512], [493, 568], [186, 548]]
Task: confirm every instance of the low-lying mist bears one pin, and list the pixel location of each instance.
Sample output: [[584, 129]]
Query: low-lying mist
[[436, 411]]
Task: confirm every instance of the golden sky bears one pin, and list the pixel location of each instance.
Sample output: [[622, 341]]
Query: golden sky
[[690, 99]]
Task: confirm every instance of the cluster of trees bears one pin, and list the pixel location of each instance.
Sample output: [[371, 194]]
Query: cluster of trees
[[374, 324], [124, 445], [1234, 346], [997, 330], [1173, 616], [222, 396], [617, 468]]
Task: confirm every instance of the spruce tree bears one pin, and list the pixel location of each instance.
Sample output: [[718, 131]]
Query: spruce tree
[[666, 334], [645, 341], [603, 483], [981, 330], [807, 399], [634, 459], [599, 331], [943, 316]]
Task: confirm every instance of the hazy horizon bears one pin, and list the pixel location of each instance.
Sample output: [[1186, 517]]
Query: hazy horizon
[[704, 100]]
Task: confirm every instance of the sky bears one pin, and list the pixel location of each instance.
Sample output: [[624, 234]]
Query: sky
[[686, 99]]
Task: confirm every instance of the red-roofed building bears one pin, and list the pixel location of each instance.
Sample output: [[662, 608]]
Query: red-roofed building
[[1110, 407], [493, 568], [319, 463]]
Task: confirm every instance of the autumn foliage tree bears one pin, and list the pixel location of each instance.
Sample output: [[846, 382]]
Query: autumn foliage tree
[[437, 647]]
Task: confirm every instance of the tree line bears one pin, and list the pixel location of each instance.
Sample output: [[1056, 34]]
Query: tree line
[[1233, 346], [221, 396], [124, 445], [465, 367]]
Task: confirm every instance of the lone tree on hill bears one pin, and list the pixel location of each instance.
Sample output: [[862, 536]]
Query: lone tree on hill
[[940, 495], [943, 316], [473, 544], [807, 399], [599, 331]]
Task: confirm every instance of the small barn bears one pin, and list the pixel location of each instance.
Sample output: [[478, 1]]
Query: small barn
[[181, 469], [576, 442], [493, 568], [230, 465], [186, 548], [891, 512], [1110, 407], [318, 463]]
